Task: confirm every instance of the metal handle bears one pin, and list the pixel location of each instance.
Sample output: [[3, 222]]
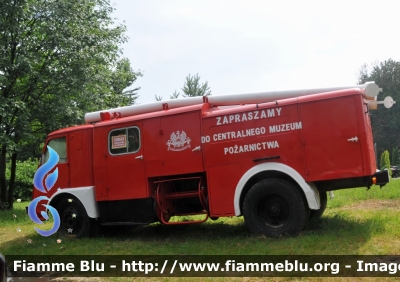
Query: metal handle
[[353, 139], [139, 157], [196, 149]]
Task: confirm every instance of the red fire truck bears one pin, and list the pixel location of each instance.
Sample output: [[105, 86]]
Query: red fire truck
[[269, 156]]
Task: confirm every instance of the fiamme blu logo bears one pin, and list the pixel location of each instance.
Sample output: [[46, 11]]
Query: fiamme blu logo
[[42, 176]]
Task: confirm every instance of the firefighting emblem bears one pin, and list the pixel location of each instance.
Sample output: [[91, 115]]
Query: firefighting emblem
[[178, 141], [49, 182]]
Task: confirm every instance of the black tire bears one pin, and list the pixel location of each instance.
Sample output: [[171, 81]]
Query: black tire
[[275, 207], [74, 220], [315, 214]]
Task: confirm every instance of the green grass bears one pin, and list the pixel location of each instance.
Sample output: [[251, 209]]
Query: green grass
[[356, 221]]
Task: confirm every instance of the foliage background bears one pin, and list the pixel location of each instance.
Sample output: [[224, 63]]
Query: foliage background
[[24, 180], [58, 60]]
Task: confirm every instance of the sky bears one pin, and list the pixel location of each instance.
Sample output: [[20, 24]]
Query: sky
[[246, 46]]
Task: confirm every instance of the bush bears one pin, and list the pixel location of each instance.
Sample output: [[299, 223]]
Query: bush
[[385, 162], [24, 178]]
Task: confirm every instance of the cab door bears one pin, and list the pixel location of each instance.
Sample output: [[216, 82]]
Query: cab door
[[59, 145], [124, 163]]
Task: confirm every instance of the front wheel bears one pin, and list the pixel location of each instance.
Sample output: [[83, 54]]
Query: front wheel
[[275, 207], [74, 220]]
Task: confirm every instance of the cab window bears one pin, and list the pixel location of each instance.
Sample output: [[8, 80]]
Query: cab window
[[60, 146], [124, 141]]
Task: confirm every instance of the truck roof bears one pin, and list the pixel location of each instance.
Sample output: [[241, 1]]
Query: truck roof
[[209, 110], [71, 128]]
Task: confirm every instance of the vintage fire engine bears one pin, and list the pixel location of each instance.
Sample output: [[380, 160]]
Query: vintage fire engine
[[269, 156]]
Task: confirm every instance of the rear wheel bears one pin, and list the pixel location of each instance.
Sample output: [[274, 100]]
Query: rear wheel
[[74, 220], [275, 207]]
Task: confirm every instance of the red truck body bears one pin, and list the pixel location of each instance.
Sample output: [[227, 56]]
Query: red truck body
[[215, 162]]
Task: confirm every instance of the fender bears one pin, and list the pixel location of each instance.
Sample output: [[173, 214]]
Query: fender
[[310, 190], [85, 195]]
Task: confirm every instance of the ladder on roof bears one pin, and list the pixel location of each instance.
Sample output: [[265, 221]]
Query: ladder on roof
[[369, 89]]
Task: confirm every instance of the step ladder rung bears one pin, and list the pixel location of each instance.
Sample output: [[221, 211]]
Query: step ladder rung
[[185, 194]]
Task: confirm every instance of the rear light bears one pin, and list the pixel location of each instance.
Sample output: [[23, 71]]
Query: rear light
[[373, 179]]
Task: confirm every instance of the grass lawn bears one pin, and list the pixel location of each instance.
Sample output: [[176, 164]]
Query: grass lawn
[[356, 222]]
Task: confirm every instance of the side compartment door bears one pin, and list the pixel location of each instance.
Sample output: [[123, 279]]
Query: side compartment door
[[331, 139], [181, 144], [124, 163]]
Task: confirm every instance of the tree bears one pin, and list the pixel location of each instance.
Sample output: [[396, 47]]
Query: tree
[[385, 122], [395, 156], [122, 78], [158, 98], [385, 162], [174, 95], [192, 87], [58, 60]]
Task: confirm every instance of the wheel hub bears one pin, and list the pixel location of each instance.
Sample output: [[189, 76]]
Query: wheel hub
[[274, 210], [70, 218]]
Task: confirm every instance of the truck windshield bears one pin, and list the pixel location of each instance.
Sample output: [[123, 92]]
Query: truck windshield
[[60, 146]]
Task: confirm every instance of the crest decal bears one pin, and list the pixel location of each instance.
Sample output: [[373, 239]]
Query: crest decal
[[178, 141]]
